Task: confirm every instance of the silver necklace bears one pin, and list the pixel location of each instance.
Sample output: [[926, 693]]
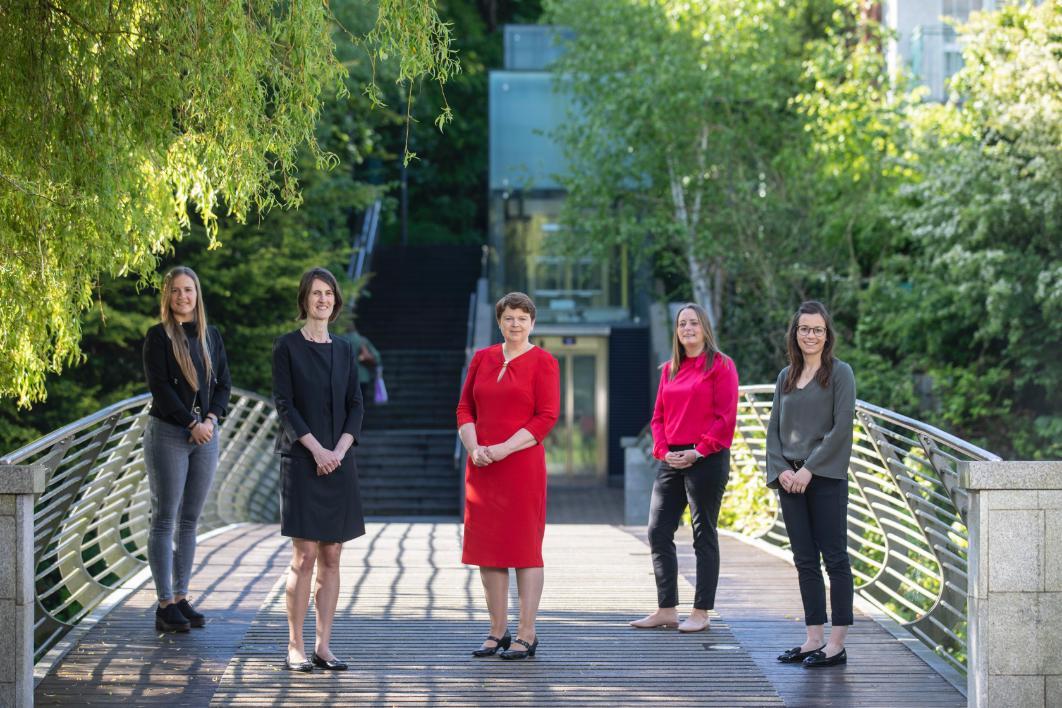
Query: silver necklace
[[306, 333]]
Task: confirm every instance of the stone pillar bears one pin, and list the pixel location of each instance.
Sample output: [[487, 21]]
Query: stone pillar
[[1015, 583], [638, 476], [19, 485]]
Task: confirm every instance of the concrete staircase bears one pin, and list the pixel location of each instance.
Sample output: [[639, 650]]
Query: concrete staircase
[[416, 315]]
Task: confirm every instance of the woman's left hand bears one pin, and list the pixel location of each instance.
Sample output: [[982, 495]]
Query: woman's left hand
[[497, 453], [202, 432], [800, 482]]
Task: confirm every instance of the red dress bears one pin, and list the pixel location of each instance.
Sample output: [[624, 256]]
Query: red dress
[[505, 502]]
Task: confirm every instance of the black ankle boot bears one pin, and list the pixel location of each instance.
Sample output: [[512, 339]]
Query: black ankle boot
[[196, 619], [170, 619]]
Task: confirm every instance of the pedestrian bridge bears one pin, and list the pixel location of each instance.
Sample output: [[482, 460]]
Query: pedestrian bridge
[[410, 612]]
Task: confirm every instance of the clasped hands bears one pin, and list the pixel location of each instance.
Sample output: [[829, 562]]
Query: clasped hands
[[795, 482], [483, 455], [328, 461], [681, 459], [201, 433]]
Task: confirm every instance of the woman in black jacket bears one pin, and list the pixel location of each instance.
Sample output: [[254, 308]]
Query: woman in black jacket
[[318, 400], [188, 375]]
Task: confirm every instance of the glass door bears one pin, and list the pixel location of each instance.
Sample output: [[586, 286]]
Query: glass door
[[576, 448]]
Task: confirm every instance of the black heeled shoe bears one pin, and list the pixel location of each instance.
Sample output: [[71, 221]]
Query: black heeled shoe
[[795, 656], [329, 664], [819, 659], [500, 644], [196, 619], [517, 654], [303, 666]]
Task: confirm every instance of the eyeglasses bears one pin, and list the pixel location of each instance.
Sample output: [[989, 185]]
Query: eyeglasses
[[817, 331]]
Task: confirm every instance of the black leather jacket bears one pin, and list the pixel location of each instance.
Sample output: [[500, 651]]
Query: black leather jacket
[[172, 398]]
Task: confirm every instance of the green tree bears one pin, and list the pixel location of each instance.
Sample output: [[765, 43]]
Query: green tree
[[678, 110], [250, 283], [972, 295], [122, 122]]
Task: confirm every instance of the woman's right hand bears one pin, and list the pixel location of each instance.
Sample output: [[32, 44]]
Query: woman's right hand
[[327, 461], [479, 456]]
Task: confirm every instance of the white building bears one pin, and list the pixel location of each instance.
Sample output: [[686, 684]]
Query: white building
[[926, 45]]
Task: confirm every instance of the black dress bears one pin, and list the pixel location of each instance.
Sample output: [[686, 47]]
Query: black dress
[[315, 390]]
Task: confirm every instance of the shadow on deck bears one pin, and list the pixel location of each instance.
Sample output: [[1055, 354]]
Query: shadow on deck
[[409, 612]]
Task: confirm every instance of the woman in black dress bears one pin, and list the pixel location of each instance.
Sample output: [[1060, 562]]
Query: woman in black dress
[[316, 392]]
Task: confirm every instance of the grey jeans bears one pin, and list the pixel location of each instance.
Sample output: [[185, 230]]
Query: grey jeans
[[179, 475]]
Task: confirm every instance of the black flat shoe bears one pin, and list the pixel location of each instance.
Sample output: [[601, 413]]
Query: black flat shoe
[[500, 644], [303, 666], [819, 659], [517, 654], [330, 664], [795, 656], [196, 619], [170, 619]]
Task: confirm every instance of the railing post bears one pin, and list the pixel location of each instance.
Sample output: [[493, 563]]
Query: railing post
[[638, 476], [1015, 583], [19, 485]]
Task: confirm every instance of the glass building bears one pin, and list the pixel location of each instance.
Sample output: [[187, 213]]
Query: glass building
[[586, 315]]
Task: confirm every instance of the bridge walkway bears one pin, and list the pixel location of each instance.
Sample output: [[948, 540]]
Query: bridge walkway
[[410, 612]]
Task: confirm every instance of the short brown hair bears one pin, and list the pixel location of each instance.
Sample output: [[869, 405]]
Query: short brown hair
[[306, 284], [514, 301]]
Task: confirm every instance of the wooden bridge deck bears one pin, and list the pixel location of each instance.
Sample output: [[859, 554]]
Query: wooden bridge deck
[[409, 613]]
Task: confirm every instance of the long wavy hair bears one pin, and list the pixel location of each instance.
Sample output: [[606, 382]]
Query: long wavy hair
[[175, 332], [796, 357], [678, 352]]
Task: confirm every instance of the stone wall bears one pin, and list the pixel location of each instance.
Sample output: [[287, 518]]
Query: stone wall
[[1015, 583], [18, 487]]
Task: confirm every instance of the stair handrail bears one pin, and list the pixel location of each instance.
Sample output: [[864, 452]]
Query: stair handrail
[[475, 338], [907, 534], [365, 244], [91, 521]]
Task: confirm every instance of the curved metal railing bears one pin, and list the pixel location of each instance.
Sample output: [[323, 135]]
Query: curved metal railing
[[907, 535], [91, 522], [906, 517]]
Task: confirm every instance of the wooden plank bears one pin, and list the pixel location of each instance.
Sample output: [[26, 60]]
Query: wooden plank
[[124, 660], [760, 599], [410, 613]]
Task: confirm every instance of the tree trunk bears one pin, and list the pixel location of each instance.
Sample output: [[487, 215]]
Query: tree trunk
[[703, 292], [703, 276]]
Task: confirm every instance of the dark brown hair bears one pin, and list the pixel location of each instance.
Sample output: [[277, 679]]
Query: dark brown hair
[[796, 357], [175, 332], [514, 301], [306, 285], [678, 352]]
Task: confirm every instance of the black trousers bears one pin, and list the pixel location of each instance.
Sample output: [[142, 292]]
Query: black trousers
[[702, 486], [817, 524]]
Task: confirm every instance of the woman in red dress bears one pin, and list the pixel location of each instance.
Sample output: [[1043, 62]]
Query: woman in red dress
[[509, 403]]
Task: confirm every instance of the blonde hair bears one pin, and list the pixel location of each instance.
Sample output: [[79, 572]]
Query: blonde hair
[[175, 332], [678, 352]]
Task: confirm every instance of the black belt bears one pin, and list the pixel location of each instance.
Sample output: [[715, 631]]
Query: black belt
[[797, 464]]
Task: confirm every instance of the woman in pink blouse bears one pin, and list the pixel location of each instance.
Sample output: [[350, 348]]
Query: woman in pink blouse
[[693, 427]]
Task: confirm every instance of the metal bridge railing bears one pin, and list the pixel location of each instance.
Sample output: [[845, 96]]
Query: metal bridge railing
[[907, 535], [907, 529], [91, 522]]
